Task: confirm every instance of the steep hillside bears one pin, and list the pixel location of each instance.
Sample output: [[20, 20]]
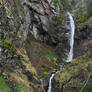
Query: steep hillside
[[35, 42]]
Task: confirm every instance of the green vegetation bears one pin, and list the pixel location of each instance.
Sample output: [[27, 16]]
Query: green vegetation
[[58, 3], [6, 44], [49, 55], [58, 20], [45, 73], [20, 7], [22, 88], [24, 67], [28, 65], [55, 3], [62, 6], [82, 17], [80, 64], [44, 66], [86, 15], [89, 88], [3, 86], [66, 5]]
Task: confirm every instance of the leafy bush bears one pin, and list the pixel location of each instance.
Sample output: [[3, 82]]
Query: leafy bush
[[89, 88], [45, 73], [66, 5], [6, 44], [82, 17]]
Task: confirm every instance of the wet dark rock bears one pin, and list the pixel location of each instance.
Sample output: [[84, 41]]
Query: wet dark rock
[[56, 87], [46, 82], [83, 40], [29, 75]]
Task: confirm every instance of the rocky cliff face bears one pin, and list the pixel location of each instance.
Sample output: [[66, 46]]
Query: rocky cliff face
[[26, 59], [34, 41]]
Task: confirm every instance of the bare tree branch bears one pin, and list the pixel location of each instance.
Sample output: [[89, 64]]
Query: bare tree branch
[[85, 83]]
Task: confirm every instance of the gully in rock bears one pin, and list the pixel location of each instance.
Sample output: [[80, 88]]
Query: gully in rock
[[70, 55]]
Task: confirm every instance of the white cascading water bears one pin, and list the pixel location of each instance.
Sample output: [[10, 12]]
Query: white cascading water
[[70, 55], [50, 80], [72, 25], [50, 83]]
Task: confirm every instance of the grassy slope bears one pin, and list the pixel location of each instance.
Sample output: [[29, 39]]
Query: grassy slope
[[80, 64]]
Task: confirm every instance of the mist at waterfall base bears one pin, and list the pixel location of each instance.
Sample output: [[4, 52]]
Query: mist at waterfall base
[[70, 55]]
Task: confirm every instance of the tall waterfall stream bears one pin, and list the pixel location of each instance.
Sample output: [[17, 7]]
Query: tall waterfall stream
[[70, 55], [72, 24]]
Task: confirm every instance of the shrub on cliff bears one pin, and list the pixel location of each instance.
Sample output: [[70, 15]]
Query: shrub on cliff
[[82, 17]]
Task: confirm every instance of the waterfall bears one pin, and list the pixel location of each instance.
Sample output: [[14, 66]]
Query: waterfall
[[50, 82], [52, 76], [72, 25], [70, 55]]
